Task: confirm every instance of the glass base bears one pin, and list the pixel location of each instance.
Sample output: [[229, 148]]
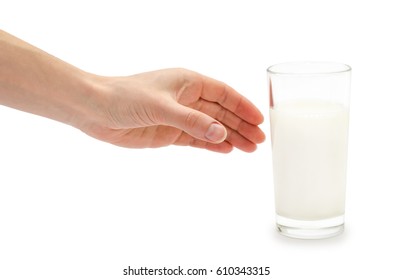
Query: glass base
[[317, 229]]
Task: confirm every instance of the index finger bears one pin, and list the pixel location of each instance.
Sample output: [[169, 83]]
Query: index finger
[[216, 91]]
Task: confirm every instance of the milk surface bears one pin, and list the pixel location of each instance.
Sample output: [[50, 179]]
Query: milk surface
[[309, 146]]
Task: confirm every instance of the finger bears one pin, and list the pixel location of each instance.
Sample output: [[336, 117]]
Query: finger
[[233, 140], [247, 130], [226, 96], [195, 123], [240, 142]]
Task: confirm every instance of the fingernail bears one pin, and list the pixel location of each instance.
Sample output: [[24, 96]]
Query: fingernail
[[216, 133]]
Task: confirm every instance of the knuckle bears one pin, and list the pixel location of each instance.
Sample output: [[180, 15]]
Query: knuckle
[[221, 114], [191, 120]]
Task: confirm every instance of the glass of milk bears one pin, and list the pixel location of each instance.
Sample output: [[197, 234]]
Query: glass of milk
[[309, 107]]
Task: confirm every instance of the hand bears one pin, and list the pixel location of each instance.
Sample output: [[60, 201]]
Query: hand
[[174, 106], [155, 109]]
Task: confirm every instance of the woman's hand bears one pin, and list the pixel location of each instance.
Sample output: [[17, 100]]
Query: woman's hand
[[155, 109], [174, 106]]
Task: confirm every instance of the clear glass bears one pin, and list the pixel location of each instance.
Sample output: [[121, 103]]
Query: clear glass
[[309, 112]]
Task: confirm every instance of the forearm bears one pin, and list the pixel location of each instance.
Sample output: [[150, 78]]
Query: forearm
[[36, 82]]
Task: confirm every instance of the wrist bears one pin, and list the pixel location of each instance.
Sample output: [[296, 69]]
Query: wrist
[[87, 109]]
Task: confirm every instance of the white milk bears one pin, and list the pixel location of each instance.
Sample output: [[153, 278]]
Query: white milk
[[309, 144]]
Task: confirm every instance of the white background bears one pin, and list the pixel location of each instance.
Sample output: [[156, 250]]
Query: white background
[[72, 207]]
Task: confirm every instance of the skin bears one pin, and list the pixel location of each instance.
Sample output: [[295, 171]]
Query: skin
[[147, 110]]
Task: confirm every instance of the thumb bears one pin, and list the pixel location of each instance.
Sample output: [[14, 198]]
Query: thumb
[[196, 123]]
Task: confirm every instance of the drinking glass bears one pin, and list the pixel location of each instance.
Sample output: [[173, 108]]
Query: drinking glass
[[309, 111]]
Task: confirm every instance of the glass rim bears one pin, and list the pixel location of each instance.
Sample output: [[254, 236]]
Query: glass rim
[[308, 68]]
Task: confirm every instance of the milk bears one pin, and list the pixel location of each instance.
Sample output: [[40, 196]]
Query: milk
[[309, 146]]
